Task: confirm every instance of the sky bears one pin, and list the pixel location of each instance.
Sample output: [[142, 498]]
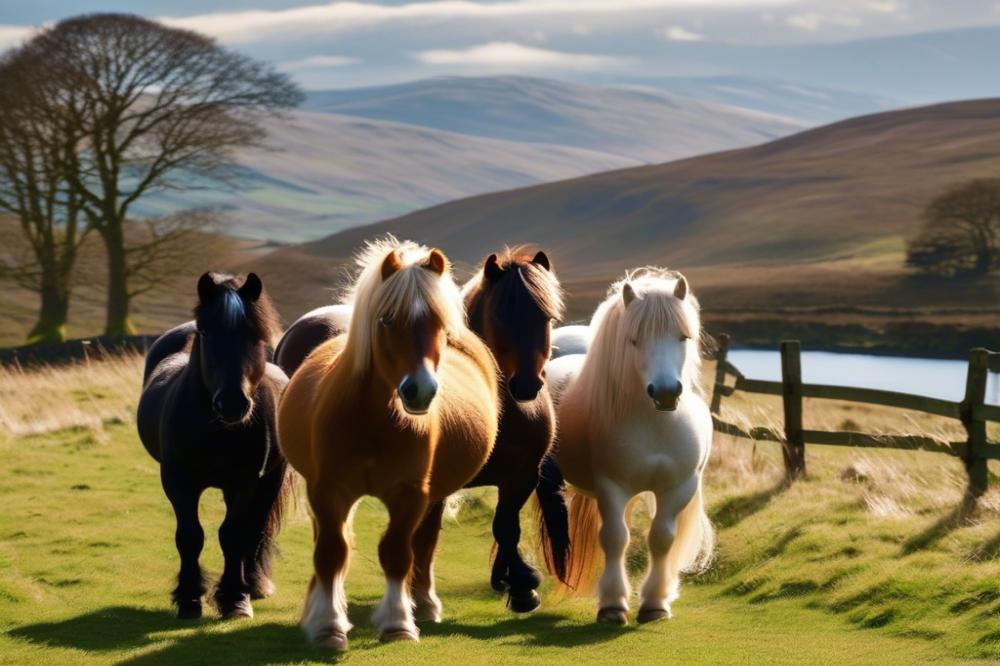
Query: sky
[[341, 44]]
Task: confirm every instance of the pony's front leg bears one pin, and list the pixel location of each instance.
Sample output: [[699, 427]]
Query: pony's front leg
[[510, 571], [613, 589], [324, 619], [663, 578], [189, 538], [233, 593], [394, 616], [427, 605]]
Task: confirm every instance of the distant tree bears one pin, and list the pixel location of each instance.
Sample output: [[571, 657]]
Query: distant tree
[[40, 242], [961, 231], [162, 108]]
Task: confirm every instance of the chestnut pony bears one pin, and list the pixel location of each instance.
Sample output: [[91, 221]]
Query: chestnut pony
[[403, 407], [511, 304], [207, 414]]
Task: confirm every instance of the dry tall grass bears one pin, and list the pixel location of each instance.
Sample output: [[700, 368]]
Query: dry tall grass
[[84, 394]]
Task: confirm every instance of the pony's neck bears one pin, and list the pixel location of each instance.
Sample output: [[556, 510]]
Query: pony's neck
[[193, 371]]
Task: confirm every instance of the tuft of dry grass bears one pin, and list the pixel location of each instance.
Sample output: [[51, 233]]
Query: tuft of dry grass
[[87, 394]]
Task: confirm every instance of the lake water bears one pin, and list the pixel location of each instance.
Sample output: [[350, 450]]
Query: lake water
[[923, 376]]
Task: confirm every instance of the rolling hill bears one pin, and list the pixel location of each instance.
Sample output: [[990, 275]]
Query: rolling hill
[[817, 219], [357, 156]]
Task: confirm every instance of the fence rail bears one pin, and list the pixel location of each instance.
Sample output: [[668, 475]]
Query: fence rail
[[973, 412]]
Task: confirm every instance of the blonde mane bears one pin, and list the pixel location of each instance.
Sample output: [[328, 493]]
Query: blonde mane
[[409, 293], [607, 385]]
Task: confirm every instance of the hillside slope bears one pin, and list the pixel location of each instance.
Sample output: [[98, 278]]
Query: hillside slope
[[645, 125], [817, 218]]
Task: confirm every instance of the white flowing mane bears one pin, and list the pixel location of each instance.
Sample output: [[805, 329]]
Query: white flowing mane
[[607, 384], [411, 292]]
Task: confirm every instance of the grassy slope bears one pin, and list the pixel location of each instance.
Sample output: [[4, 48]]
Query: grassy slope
[[880, 567]]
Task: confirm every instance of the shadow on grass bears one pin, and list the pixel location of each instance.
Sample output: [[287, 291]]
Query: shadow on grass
[[736, 509], [113, 628], [540, 629], [957, 518]]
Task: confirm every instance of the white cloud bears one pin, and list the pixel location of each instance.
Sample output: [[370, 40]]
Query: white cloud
[[885, 6], [505, 54], [811, 21], [12, 35], [676, 33], [253, 25], [321, 62]]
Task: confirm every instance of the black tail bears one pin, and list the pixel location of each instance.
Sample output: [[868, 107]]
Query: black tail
[[554, 518]]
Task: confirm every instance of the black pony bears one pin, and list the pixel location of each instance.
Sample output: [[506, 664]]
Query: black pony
[[207, 413]]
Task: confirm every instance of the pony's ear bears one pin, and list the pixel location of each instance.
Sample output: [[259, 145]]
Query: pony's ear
[[628, 294], [252, 288], [542, 259], [390, 264], [436, 261], [206, 288], [681, 288], [491, 269]]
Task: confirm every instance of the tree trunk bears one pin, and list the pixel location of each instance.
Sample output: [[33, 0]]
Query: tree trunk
[[51, 325], [117, 314]]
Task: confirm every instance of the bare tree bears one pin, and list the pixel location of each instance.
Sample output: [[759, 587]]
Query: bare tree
[[961, 231], [38, 137], [162, 108]]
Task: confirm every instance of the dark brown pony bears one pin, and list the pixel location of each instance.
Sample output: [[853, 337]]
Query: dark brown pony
[[207, 414], [511, 304], [403, 407]]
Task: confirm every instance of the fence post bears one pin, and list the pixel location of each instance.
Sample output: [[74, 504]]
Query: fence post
[[975, 396], [720, 372], [794, 449]]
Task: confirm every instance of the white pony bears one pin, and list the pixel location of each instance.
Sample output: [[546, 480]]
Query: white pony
[[632, 421]]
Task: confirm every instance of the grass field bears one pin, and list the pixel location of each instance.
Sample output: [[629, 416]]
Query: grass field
[[871, 559]]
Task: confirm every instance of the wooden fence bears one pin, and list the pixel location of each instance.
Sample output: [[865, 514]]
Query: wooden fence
[[976, 450]]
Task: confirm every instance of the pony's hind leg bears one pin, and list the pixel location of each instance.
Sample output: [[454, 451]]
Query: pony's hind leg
[[613, 589], [324, 619], [189, 539], [262, 526], [427, 605], [663, 580], [510, 571], [394, 616]]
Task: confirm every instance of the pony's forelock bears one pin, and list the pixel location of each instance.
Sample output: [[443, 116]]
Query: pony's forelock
[[231, 312], [655, 312], [410, 293], [541, 285]]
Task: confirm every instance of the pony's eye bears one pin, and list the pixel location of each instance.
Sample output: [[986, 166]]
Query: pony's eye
[[385, 321], [685, 338]]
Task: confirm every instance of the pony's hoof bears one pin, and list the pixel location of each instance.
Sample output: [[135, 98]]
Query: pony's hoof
[[401, 634], [426, 612], [188, 610], [239, 608], [262, 589], [524, 601], [334, 640], [618, 616], [652, 615]]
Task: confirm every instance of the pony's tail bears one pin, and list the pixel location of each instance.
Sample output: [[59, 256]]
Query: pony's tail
[[694, 545], [553, 518], [581, 564], [259, 576]]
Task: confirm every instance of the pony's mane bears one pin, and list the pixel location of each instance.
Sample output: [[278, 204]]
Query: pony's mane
[[232, 313], [533, 281], [608, 389], [410, 293]]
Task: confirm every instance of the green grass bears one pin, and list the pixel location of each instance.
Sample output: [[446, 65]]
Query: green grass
[[818, 572]]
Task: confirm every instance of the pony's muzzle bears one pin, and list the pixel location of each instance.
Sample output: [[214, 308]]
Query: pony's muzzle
[[232, 407], [417, 391], [665, 398], [525, 388]]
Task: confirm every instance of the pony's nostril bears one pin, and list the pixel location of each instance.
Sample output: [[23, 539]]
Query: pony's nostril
[[650, 390], [410, 391]]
